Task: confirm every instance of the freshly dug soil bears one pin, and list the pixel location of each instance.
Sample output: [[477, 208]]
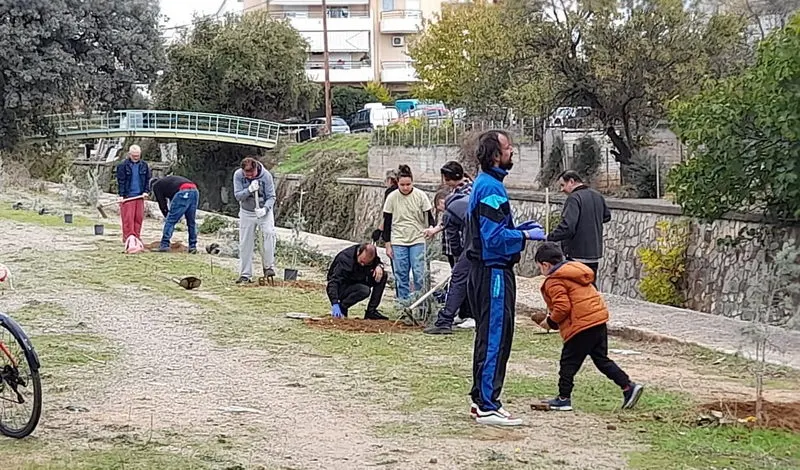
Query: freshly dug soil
[[359, 325], [174, 247], [302, 285], [776, 415]]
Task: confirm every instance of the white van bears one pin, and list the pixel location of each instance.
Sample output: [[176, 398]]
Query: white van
[[369, 119]]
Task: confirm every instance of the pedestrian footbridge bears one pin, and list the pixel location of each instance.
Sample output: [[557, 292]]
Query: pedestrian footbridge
[[167, 124]]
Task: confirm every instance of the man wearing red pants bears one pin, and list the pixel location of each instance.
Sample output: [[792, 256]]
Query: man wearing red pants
[[133, 179]]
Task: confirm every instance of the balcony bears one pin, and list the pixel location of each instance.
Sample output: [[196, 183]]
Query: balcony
[[341, 72], [330, 3], [313, 22], [401, 21], [398, 72]]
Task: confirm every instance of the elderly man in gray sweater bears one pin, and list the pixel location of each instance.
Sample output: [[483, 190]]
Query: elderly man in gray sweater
[[254, 188]]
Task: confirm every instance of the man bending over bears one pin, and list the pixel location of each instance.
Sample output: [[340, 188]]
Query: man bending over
[[355, 274]]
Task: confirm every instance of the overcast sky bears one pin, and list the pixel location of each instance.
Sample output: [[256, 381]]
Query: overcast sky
[[180, 11]]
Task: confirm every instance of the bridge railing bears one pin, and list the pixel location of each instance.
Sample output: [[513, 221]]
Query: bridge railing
[[143, 121]]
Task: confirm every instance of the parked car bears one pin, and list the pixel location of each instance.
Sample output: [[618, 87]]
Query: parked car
[[338, 125], [371, 118]]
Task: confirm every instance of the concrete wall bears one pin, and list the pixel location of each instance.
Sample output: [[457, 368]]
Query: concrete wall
[[719, 281]]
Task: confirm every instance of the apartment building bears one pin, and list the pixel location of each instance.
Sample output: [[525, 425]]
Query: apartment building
[[367, 39]]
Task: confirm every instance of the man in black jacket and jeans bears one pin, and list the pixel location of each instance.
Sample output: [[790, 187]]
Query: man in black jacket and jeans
[[355, 274], [581, 229]]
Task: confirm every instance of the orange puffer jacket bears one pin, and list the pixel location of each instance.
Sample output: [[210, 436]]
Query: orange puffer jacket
[[573, 301]]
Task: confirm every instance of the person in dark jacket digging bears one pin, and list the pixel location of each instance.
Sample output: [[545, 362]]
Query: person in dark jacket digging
[[581, 229], [355, 274], [177, 197]]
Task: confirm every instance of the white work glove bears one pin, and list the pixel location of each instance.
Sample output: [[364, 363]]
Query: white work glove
[[261, 212], [253, 186]]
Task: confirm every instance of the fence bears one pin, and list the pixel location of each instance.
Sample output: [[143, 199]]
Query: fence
[[427, 132]]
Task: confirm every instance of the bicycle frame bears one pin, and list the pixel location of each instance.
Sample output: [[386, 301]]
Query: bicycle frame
[[30, 353]]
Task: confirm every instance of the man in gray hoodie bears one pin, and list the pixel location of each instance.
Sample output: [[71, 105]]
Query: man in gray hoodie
[[254, 188]]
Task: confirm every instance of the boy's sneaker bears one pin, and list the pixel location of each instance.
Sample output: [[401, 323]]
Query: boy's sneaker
[[631, 395], [499, 417], [559, 404]]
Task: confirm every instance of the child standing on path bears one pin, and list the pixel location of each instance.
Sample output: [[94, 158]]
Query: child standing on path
[[579, 313]]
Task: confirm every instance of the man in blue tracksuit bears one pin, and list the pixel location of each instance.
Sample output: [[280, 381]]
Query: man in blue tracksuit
[[493, 246]]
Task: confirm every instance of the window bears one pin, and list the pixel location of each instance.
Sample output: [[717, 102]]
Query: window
[[338, 12], [387, 5], [338, 122]]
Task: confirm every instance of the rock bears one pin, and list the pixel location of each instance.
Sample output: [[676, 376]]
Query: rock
[[317, 375], [76, 409], [240, 409], [433, 460], [611, 427]]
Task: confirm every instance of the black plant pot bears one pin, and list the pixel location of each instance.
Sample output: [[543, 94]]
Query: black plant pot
[[289, 274], [98, 229], [67, 218]]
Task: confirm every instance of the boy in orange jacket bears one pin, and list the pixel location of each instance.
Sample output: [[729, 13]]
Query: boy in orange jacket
[[579, 313]]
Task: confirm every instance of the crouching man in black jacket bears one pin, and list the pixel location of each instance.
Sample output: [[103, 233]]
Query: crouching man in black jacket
[[355, 274]]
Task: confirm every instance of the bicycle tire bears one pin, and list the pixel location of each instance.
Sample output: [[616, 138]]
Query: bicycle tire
[[32, 360]]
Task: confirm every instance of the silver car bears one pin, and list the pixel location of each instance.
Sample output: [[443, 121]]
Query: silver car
[[338, 125]]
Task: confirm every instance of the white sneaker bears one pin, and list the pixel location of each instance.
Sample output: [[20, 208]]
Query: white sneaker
[[500, 417], [474, 410], [458, 320], [466, 324]]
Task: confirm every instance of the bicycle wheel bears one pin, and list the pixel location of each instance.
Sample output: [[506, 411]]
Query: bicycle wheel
[[20, 384]]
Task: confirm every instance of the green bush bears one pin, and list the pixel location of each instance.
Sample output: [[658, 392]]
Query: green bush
[[665, 264], [554, 164], [212, 224], [587, 158]]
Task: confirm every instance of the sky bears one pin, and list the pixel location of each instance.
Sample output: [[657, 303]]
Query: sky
[[180, 11]]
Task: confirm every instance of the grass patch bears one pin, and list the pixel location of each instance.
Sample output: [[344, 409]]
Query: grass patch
[[676, 446], [71, 349], [47, 220], [37, 312], [297, 158], [128, 451]]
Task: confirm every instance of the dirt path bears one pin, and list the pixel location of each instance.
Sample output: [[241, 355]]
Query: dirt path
[[276, 409]]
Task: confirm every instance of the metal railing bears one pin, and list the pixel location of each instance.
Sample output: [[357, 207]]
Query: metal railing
[[317, 15], [401, 14], [179, 124], [339, 64], [397, 64]]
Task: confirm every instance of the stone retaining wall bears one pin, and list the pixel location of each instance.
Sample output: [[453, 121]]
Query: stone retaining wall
[[719, 281]]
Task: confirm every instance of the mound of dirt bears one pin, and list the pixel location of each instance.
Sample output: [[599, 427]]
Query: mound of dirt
[[359, 325], [174, 247], [302, 285], [776, 415]]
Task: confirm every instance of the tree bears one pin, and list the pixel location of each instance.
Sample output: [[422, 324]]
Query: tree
[[462, 58], [624, 59], [743, 132], [346, 100], [70, 55], [252, 66]]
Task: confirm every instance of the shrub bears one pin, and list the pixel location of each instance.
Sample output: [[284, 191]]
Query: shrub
[[665, 264], [554, 164], [641, 175], [587, 158]]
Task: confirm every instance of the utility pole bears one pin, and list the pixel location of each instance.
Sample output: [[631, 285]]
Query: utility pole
[[326, 67]]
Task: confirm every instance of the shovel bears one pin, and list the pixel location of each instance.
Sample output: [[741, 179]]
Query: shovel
[[101, 206], [188, 282]]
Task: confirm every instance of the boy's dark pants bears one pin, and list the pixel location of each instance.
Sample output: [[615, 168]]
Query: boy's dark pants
[[591, 342]]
